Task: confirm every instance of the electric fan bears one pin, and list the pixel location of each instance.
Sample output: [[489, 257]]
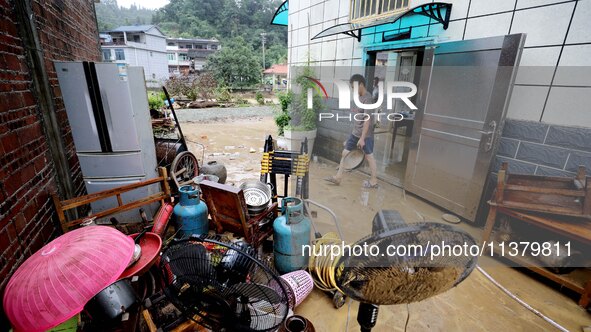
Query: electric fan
[[405, 275], [222, 286]]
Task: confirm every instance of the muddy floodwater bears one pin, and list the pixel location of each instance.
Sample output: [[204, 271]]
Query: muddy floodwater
[[233, 137], [236, 138]]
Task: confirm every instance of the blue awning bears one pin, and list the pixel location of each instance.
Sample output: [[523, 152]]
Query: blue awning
[[437, 11], [280, 17]]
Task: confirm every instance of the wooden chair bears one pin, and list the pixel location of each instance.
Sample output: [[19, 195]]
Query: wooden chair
[[561, 196], [228, 212], [69, 204]]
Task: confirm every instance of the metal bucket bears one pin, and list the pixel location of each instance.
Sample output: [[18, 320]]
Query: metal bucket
[[257, 196], [166, 151], [112, 302]]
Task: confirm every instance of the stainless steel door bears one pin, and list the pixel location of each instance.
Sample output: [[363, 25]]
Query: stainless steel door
[[463, 96]]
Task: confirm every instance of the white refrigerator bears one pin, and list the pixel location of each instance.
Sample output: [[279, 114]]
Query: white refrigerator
[[108, 112]]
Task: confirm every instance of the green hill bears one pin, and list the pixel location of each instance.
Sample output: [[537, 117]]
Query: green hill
[[110, 15], [226, 20]]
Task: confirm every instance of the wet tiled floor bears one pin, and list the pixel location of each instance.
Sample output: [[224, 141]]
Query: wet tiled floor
[[475, 305]]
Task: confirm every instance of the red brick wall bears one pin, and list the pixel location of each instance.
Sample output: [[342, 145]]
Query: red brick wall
[[67, 31]]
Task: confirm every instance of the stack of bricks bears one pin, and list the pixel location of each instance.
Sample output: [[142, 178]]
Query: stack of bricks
[[67, 31]]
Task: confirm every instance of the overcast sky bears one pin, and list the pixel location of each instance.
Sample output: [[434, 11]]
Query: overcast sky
[[151, 4]]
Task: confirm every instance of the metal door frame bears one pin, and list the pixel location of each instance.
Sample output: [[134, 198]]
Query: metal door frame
[[414, 53], [511, 47]]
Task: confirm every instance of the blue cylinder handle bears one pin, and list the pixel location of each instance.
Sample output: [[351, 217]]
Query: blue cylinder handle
[[284, 209], [284, 202]]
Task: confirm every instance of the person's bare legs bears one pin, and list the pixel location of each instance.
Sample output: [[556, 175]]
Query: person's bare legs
[[373, 169], [339, 175]]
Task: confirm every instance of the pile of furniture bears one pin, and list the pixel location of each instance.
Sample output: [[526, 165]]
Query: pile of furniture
[[231, 220]]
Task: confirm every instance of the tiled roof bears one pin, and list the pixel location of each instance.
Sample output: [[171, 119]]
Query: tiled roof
[[133, 28], [277, 69]]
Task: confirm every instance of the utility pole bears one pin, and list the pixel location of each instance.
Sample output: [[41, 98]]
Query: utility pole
[[264, 39]]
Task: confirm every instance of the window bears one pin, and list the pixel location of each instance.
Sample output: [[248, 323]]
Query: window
[[136, 38], [214, 47], [199, 46], [106, 55], [183, 56], [170, 44], [171, 56], [189, 46], [119, 54], [361, 9]]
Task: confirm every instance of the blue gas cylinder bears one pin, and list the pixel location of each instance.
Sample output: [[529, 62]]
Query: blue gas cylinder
[[291, 231], [190, 213]]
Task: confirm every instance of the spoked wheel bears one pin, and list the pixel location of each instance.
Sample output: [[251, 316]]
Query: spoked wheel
[[184, 168]]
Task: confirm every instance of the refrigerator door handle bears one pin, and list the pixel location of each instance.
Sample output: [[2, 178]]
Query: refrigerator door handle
[[107, 112], [94, 90]]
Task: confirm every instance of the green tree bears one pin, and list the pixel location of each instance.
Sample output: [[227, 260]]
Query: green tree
[[235, 64], [110, 15], [275, 54], [226, 20]]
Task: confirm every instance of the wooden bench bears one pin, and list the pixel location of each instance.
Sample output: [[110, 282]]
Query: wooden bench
[[69, 204], [559, 205]]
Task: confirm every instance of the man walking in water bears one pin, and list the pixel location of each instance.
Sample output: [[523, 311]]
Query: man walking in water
[[362, 135]]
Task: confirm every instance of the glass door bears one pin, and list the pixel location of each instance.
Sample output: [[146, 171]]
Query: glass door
[[392, 138]]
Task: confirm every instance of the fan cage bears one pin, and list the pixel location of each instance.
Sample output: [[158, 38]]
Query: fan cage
[[222, 287], [394, 279]]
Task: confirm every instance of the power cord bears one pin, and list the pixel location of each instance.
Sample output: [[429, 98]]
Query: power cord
[[407, 316], [520, 301], [348, 315]]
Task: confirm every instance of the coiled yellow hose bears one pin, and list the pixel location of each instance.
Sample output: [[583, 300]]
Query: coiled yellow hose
[[320, 265]]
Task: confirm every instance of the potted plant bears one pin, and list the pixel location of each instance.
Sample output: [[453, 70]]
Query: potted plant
[[282, 118], [303, 119]]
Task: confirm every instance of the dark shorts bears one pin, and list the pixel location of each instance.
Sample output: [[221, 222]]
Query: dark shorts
[[351, 144]]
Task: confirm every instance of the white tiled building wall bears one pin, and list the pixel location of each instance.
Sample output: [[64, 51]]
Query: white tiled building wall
[[151, 55], [155, 63], [558, 34]]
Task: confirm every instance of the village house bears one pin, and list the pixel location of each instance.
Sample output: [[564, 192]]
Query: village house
[[137, 45], [497, 82], [535, 117], [276, 77], [186, 55]]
